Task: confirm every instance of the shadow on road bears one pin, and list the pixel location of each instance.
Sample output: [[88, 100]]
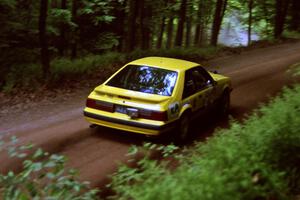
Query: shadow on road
[[201, 128]]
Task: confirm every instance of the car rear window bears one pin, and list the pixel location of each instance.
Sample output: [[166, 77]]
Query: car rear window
[[145, 79]]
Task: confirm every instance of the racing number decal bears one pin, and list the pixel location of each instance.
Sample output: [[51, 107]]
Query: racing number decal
[[174, 110], [211, 96], [199, 102], [204, 98]]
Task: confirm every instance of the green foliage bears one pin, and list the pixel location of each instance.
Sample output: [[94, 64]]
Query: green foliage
[[148, 148], [262, 15], [17, 36], [291, 34], [257, 159], [29, 76], [60, 18], [147, 171], [23, 76], [106, 41], [193, 54], [43, 176], [100, 26], [295, 69], [99, 10], [64, 68]]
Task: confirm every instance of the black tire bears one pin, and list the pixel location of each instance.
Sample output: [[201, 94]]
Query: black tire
[[182, 132], [93, 126], [224, 104]]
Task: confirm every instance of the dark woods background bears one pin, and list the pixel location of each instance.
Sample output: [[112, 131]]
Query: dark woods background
[[39, 31]]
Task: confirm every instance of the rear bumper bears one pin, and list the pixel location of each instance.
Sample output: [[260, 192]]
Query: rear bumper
[[126, 125]]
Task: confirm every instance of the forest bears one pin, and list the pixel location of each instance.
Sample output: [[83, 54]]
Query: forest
[[49, 46], [34, 33]]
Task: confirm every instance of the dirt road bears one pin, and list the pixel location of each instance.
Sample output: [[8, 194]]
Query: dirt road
[[60, 128]]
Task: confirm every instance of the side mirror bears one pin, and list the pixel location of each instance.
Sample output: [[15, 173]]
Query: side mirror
[[211, 82], [215, 69]]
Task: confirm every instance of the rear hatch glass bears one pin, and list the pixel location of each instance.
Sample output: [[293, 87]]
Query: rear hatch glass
[[145, 79]]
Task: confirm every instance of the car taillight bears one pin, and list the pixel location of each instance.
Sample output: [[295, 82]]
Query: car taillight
[[154, 115], [100, 105]]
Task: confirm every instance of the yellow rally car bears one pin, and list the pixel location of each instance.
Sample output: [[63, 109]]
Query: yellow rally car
[[154, 95]]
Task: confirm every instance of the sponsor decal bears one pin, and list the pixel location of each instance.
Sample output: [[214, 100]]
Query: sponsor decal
[[174, 109]]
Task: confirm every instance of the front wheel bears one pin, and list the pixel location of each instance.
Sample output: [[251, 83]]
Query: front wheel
[[224, 104]]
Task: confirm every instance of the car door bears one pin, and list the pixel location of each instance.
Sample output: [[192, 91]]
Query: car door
[[206, 88], [189, 91], [198, 89], [209, 87]]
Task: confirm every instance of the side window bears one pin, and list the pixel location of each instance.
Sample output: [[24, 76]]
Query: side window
[[204, 73], [189, 85], [200, 80], [196, 79]]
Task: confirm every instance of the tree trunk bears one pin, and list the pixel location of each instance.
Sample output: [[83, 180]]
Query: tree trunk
[[161, 33], [281, 12], [170, 33], [119, 25], [217, 22], [202, 35], [188, 31], [43, 38], [62, 39], [250, 7], [162, 27], [74, 40], [145, 15], [189, 20], [198, 24], [295, 16], [180, 27], [54, 4], [131, 32]]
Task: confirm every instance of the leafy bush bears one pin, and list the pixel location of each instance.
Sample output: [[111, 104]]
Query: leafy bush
[[295, 70], [258, 159], [43, 176], [16, 68], [66, 68], [62, 69], [291, 34], [24, 76], [193, 54]]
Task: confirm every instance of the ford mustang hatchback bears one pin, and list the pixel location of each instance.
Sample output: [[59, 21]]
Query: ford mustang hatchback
[[154, 95]]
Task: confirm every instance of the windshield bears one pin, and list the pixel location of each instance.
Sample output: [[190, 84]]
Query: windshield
[[145, 79]]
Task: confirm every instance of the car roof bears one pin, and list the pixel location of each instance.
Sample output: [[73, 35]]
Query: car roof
[[165, 63]]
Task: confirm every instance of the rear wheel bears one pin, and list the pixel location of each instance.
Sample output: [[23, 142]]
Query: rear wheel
[[182, 133], [93, 125]]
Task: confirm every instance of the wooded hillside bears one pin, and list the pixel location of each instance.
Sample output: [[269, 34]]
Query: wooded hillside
[[39, 31]]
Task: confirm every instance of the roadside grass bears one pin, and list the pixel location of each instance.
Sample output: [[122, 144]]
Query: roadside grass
[[256, 159], [291, 34], [64, 68], [295, 70], [29, 76], [63, 71]]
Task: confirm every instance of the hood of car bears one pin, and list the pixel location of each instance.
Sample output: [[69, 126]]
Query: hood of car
[[218, 77]]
